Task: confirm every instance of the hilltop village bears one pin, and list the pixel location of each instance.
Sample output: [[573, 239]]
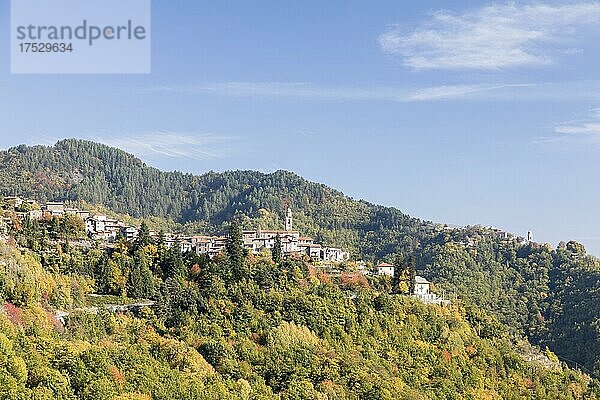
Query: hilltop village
[[101, 228]]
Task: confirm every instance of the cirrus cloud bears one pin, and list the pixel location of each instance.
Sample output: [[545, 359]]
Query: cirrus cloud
[[310, 91], [196, 146], [307, 91], [583, 131], [589, 126], [492, 37]]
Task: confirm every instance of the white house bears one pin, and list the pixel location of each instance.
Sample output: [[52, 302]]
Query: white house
[[259, 239], [130, 232], [15, 201], [55, 208], [422, 291], [334, 254], [384, 269], [421, 286], [99, 227], [95, 224], [211, 245]]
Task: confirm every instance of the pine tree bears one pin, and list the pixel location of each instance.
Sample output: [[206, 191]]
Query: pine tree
[[134, 281], [175, 267], [397, 274], [161, 240], [412, 273], [277, 253], [141, 282], [235, 249], [143, 238]]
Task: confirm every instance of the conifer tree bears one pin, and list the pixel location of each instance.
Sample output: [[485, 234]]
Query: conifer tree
[[235, 249], [175, 267], [140, 283], [161, 240], [134, 281], [412, 273], [277, 253], [143, 238], [397, 278]]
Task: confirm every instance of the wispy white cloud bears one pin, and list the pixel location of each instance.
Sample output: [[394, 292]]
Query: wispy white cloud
[[478, 91], [290, 89], [459, 91], [493, 37], [590, 126], [156, 146], [584, 130], [196, 146], [316, 92]]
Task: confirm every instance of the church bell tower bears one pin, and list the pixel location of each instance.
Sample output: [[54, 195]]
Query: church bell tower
[[288, 219]]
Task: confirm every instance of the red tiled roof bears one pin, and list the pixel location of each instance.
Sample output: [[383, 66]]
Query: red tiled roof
[[384, 265], [271, 231]]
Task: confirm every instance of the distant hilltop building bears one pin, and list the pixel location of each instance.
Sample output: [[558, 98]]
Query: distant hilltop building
[[100, 227], [529, 236], [57, 208], [421, 286]]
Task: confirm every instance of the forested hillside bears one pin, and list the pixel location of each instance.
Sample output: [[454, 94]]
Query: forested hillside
[[549, 295], [242, 327]]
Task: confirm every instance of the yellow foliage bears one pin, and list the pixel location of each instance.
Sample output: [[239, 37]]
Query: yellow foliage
[[133, 396], [23, 279], [151, 250], [37, 317], [289, 334], [179, 355], [6, 327]]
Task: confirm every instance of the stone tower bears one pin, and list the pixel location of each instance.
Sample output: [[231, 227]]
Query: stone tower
[[288, 219], [530, 236]]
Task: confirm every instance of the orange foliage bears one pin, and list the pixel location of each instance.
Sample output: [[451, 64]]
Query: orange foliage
[[13, 313], [11, 242], [529, 383], [195, 270], [446, 355], [471, 350], [354, 281], [116, 374], [323, 277]]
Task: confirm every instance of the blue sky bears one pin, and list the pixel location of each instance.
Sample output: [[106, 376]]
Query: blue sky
[[457, 112]]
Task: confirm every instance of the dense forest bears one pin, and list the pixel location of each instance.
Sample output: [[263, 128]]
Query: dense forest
[[548, 295], [241, 326]]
